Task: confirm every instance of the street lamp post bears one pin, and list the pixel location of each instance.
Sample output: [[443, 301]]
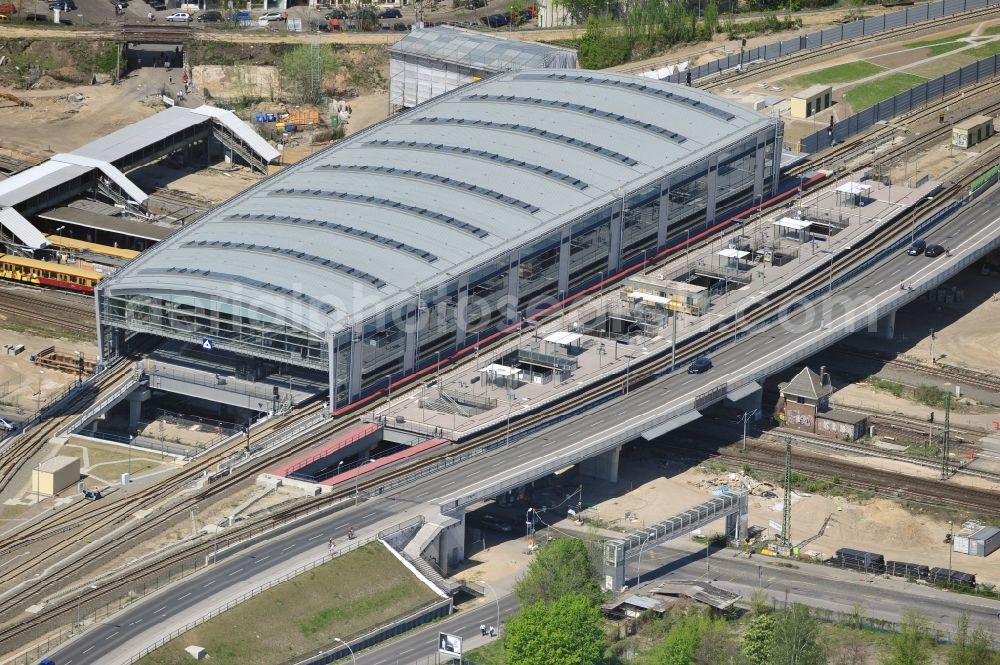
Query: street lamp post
[[79, 600], [487, 585], [39, 396], [951, 548], [353, 658], [388, 398]]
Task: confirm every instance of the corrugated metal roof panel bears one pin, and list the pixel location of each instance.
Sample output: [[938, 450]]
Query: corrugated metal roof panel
[[455, 210], [22, 229], [240, 128], [489, 52]]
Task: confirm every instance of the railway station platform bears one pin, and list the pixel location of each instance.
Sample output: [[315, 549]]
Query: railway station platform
[[345, 458], [101, 165], [220, 383], [605, 356]]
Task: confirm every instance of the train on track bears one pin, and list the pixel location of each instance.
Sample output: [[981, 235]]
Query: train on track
[[75, 265], [48, 273]]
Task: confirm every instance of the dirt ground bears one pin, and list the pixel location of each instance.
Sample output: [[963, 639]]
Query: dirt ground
[[866, 398], [366, 110], [63, 119], [653, 491], [19, 377]]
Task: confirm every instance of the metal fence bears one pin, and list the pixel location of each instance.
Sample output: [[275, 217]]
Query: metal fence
[[919, 95], [862, 28]]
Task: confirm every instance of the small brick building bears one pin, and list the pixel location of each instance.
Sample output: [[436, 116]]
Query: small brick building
[[804, 405]]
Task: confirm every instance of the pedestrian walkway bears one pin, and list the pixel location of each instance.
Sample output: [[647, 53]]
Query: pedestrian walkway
[[486, 393]]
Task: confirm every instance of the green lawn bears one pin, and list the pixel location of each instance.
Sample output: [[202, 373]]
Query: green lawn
[[344, 597], [938, 49], [984, 51], [992, 30], [871, 93], [850, 71], [939, 40]]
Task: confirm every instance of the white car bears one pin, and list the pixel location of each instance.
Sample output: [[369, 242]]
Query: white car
[[179, 17], [6, 425], [272, 16]]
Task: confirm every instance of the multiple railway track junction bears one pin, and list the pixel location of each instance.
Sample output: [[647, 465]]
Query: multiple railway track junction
[[579, 362]]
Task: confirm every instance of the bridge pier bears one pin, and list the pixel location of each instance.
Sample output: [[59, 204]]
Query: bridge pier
[[886, 326], [749, 401], [135, 400], [602, 467]]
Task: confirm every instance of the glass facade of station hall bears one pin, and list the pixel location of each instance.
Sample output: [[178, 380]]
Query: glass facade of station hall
[[594, 246], [526, 280]]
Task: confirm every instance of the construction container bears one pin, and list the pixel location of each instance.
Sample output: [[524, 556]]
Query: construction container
[[985, 541], [972, 131], [960, 544], [54, 475]]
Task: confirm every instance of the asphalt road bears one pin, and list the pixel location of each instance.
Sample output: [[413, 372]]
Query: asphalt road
[[95, 645], [815, 585]]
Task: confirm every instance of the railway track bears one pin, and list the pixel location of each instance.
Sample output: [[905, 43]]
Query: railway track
[[887, 484], [60, 310], [981, 100], [957, 375], [18, 450], [101, 516], [803, 58]]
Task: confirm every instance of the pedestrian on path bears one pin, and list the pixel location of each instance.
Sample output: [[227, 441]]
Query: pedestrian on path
[[482, 627], [493, 631]]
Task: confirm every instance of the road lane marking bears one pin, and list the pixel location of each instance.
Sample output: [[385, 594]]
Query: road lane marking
[[90, 648], [290, 547], [184, 596], [235, 571], [110, 636], [162, 608], [264, 558], [209, 582], [318, 535]]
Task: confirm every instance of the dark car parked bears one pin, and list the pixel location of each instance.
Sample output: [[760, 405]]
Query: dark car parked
[[390, 13], [496, 20], [917, 248], [934, 250], [399, 26], [210, 17], [700, 365], [494, 523]]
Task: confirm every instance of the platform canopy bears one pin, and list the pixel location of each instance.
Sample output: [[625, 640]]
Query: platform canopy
[[562, 337], [794, 224], [501, 370], [731, 253], [855, 188]]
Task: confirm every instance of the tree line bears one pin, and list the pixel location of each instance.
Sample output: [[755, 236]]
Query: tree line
[[561, 622]]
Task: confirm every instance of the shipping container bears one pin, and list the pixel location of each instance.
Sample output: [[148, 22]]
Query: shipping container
[[985, 541], [960, 544]]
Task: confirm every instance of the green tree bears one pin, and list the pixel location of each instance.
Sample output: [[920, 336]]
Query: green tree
[[757, 640], [711, 20], [560, 568], [602, 45], [795, 639], [719, 646], [969, 648], [567, 631], [303, 69], [581, 10], [912, 644], [681, 643]]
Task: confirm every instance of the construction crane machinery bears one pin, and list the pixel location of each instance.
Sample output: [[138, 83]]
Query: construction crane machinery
[[14, 98]]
